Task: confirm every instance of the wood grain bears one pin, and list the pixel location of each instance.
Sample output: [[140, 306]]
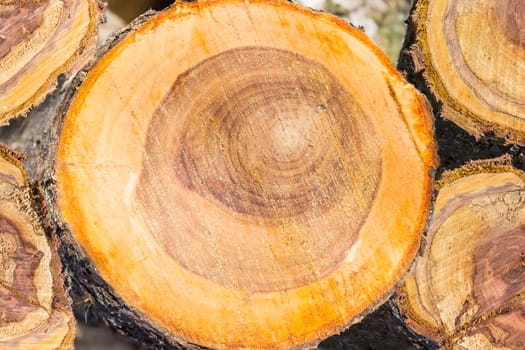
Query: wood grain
[[467, 289], [240, 188], [39, 40], [35, 312], [472, 55]]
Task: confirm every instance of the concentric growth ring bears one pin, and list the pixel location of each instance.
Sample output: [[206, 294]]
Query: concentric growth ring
[[474, 54], [274, 138], [39, 40], [467, 290], [242, 188]]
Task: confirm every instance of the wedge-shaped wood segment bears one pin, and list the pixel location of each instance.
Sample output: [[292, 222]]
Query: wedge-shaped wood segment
[[245, 174], [34, 311], [473, 56], [467, 290], [40, 40]]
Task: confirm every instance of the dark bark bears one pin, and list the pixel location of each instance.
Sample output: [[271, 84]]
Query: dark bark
[[381, 330]]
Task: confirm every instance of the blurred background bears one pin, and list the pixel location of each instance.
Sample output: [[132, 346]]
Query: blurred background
[[382, 20]]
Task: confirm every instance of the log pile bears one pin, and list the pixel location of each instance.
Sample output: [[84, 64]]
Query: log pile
[[465, 288], [257, 175]]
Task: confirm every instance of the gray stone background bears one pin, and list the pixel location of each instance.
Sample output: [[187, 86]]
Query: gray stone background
[[382, 20]]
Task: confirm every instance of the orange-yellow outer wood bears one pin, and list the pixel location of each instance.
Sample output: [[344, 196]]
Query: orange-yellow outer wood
[[106, 180]]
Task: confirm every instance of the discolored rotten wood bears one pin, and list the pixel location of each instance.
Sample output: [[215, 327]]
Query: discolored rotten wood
[[34, 311], [467, 290], [238, 188], [40, 40], [471, 55]]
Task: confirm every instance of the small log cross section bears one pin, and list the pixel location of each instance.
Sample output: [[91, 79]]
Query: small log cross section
[[467, 290], [34, 311]]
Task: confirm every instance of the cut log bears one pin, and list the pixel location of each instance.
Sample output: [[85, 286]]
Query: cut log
[[381, 329], [216, 181], [34, 310], [467, 290], [39, 40], [471, 54]]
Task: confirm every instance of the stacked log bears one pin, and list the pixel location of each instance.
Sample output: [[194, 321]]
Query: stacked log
[[468, 56], [35, 312], [465, 288], [39, 40]]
